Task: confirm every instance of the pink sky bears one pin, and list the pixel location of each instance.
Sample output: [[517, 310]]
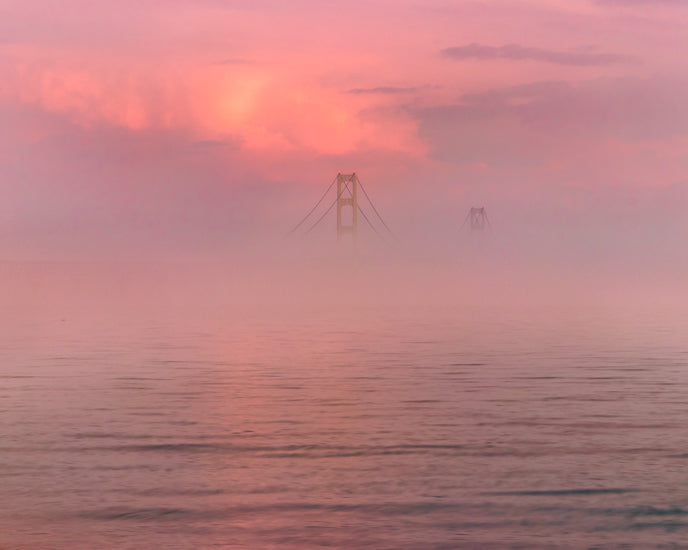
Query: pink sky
[[186, 128]]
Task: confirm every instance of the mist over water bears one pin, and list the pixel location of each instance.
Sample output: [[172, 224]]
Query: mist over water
[[311, 397], [186, 361]]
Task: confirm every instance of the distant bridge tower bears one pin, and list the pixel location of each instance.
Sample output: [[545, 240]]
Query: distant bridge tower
[[347, 195], [478, 219]]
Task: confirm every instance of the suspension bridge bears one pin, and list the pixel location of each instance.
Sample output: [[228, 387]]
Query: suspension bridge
[[345, 196]]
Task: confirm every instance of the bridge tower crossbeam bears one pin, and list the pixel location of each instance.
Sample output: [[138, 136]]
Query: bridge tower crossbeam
[[347, 196], [478, 218]]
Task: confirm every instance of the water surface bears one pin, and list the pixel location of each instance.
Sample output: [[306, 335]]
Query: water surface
[[370, 426]]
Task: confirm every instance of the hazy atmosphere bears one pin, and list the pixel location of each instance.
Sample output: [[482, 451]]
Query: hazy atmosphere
[[193, 355], [206, 129]]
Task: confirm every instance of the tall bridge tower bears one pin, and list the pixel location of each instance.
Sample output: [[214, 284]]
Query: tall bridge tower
[[348, 186], [478, 218], [347, 195]]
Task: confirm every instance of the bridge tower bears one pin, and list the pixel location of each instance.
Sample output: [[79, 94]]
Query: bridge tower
[[348, 186], [347, 195], [478, 218]]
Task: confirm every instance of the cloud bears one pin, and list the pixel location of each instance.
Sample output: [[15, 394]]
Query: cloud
[[516, 52], [218, 143], [232, 61], [641, 2], [107, 190], [602, 131], [387, 90], [628, 108]]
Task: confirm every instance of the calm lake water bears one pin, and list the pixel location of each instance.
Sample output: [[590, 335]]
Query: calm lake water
[[382, 427]]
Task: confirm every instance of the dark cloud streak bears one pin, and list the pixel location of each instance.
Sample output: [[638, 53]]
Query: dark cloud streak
[[388, 90], [516, 52], [681, 3]]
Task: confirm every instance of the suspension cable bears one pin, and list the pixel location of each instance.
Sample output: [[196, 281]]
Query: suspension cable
[[375, 210], [328, 209], [314, 208], [366, 217], [372, 226], [331, 206], [465, 220]]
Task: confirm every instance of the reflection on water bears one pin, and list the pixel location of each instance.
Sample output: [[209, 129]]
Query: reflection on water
[[370, 427]]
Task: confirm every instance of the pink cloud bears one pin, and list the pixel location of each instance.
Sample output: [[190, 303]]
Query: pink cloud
[[516, 52], [194, 122]]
